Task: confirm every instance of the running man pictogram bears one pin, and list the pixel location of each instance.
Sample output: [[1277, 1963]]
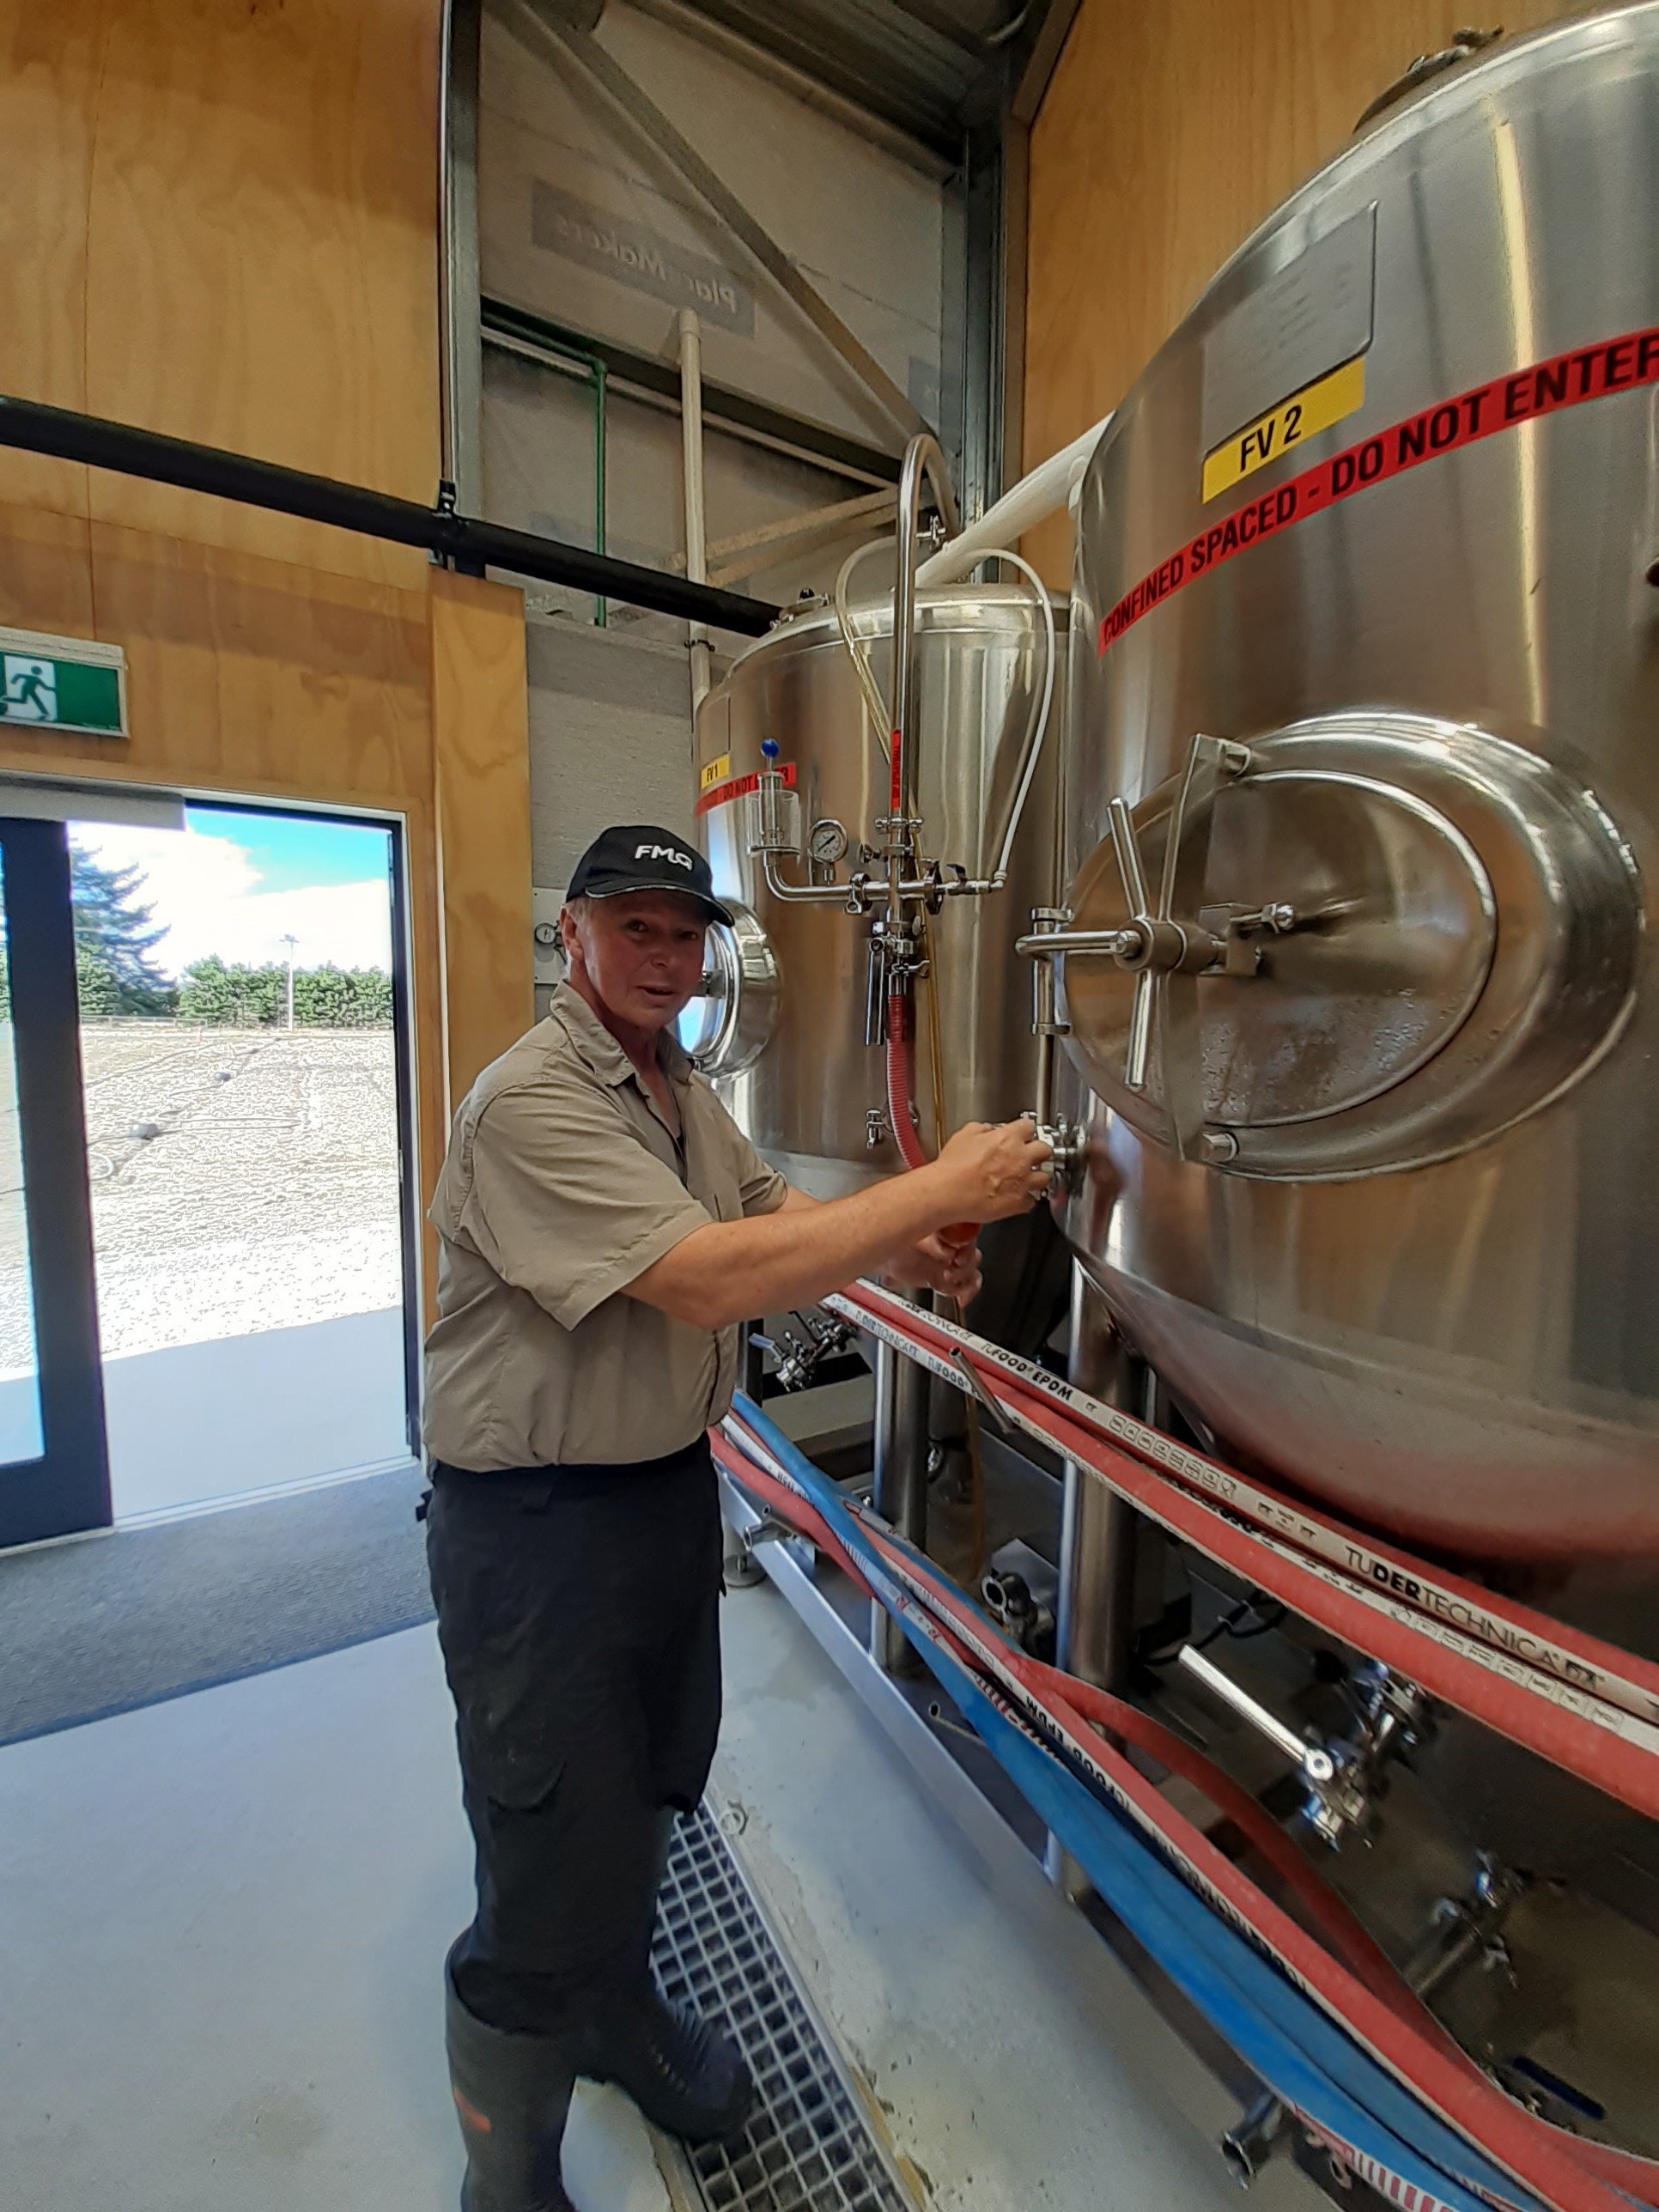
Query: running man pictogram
[[31, 689]]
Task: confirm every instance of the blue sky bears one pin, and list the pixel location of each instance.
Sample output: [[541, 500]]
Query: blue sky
[[297, 852], [239, 885]]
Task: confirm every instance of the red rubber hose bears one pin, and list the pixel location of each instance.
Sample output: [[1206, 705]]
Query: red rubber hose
[[1328, 1912], [1070, 1703], [901, 1088]]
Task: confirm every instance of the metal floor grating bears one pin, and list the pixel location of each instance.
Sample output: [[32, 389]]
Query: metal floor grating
[[807, 2146]]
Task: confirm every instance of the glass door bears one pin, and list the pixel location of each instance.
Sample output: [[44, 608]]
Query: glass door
[[243, 1046], [54, 1476]]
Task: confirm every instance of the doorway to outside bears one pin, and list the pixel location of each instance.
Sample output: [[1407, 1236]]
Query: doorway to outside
[[214, 1014]]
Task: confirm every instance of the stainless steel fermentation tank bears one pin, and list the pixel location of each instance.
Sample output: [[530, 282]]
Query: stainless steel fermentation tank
[[786, 1026], [1373, 1156]]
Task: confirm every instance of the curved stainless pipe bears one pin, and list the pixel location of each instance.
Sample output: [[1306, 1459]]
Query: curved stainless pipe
[[446, 428], [922, 456]]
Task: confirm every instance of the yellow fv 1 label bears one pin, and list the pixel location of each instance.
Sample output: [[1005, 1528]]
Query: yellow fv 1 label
[[1316, 407], [713, 772]]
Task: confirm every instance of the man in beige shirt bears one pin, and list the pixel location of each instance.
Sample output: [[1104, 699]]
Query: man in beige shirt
[[605, 1231]]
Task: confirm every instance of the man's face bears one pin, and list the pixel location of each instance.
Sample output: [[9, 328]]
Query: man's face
[[640, 953]]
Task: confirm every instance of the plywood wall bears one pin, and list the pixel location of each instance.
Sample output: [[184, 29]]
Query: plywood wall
[[221, 217], [221, 223], [1167, 134]]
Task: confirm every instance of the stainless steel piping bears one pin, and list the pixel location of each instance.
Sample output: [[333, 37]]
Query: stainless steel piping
[[696, 534], [460, 368], [1110, 943], [446, 455], [858, 893], [922, 456]]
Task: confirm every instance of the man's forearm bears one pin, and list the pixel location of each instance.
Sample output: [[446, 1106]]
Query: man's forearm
[[733, 1270]]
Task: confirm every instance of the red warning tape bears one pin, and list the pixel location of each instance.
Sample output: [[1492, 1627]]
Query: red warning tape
[[736, 787], [1568, 379]]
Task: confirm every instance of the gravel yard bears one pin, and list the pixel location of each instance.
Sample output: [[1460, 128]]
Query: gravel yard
[[241, 1180]]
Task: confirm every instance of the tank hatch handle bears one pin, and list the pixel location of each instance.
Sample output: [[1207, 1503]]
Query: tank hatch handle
[[1464, 46], [1167, 954]]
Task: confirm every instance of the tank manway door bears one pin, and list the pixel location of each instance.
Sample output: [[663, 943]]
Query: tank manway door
[[1357, 944], [730, 1023]]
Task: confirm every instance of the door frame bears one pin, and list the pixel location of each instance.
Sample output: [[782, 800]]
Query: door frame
[[65, 1490], [410, 1206]]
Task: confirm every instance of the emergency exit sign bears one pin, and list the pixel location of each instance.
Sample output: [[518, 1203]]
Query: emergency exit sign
[[62, 683]]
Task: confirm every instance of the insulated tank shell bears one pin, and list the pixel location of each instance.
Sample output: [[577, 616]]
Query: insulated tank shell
[[783, 1030], [1382, 1206]]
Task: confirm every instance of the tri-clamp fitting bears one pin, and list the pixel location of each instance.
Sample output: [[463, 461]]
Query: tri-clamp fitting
[[1067, 1141], [1346, 1777], [800, 1358]]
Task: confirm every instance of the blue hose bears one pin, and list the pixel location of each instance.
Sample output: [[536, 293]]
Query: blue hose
[[1283, 2035]]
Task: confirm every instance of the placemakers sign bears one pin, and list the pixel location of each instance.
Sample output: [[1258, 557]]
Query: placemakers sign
[[67, 683]]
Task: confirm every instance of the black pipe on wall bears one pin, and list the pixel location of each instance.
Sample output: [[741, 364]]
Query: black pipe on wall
[[460, 539]]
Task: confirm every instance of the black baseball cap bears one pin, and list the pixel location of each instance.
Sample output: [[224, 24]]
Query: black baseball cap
[[639, 856]]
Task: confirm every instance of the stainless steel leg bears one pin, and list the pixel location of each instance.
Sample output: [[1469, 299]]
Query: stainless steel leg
[[1099, 1531], [900, 1484], [1100, 1534]]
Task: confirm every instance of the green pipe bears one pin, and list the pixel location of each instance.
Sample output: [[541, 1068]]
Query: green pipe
[[571, 349], [598, 371]]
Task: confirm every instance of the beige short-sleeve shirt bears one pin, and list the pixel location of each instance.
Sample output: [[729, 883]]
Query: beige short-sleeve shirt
[[561, 1184]]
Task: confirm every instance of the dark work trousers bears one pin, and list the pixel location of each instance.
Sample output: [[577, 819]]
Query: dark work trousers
[[578, 1613]]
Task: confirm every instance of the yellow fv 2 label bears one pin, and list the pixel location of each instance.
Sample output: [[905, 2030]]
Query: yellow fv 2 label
[[1316, 407], [713, 772]]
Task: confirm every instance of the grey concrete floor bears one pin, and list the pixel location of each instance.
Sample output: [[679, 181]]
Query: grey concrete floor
[[222, 1920], [1019, 2065], [193, 1422]]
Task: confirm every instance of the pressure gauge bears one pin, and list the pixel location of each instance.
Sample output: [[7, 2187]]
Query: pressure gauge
[[826, 841], [547, 933]]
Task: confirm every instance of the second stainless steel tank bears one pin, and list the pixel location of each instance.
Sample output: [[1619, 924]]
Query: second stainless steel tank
[[785, 1029]]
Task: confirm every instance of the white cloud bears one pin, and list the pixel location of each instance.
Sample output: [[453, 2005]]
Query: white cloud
[[204, 891]]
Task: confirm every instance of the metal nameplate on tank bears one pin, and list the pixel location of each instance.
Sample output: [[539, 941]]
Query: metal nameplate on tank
[[1308, 318]]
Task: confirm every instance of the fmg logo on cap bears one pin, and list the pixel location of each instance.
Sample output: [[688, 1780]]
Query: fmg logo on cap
[[663, 852]]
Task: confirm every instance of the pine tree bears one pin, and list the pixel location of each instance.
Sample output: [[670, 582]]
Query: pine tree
[[212, 993], [204, 992], [236, 996], [341, 998], [94, 985], [114, 938]]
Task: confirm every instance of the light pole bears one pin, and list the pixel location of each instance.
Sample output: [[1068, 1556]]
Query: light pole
[[290, 941]]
